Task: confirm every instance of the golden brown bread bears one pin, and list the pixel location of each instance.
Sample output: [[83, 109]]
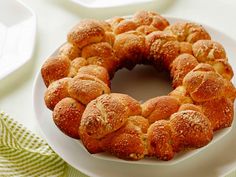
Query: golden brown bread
[[181, 94], [86, 32], [181, 66], [114, 21], [100, 54], [151, 19], [76, 64], [109, 38], [105, 25], [56, 92], [160, 108], [188, 32], [219, 111], [124, 26], [78, 87], [184, 129], [204, 84], [78, 81], [92, 145], [189, 106], [146, 29], [67, 116], [55, 68], [222, 67], [159, 141], [85, 88], [129, 48], [70, 51], [128, 142], [230, 91], [97, 71], [140, 121], [107, 114], [213, 53], [208, 50], [164, 48], [127, 146], [190, 129]]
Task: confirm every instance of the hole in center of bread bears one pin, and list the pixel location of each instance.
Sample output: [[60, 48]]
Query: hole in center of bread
[[142, 82]]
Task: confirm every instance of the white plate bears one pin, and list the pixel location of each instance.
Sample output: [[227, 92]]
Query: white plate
[[109, 3], [214, 159], [17, 35]]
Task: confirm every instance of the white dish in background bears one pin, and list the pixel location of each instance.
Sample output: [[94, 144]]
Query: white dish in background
[[109, 3], [184, 164], [17, 35]]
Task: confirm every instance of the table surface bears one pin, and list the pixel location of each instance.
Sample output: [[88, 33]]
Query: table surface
[[56, 17]]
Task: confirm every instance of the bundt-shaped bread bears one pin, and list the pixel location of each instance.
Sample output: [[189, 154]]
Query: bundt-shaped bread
[[79, 91]]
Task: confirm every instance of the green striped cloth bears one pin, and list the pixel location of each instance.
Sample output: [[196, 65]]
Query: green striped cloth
[[24, 154], [231, 174]]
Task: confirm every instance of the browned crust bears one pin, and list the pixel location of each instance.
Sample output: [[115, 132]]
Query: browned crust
[[106, 114], [115, 21], [186, 47], [101, 54], [159, 35], [146, 29], [159, 140], [140, 121], [70, 51], [230, 91], [127, 146], [189, 106], [55, 68], [86, 32], [124, 26], [181, 94], [208, 50], [92, 145], [86, 88], [160, 108], [188, 32], [204, 85], [185, 129], [151, 19], [220, 112], [126, 143], [129, 48], [67, 116], [76, 64], [190, 129], [181, 66], [164, 48], [222, 67], [97, 71], [133, 106], [105, 25], [109, 38], [56, 92]]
